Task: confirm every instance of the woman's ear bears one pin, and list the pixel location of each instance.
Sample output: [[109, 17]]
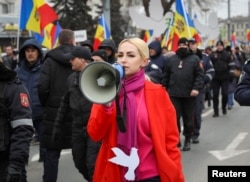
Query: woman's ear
[[144, 63]]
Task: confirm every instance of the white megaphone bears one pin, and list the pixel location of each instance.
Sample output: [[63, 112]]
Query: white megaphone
[[100, 81]]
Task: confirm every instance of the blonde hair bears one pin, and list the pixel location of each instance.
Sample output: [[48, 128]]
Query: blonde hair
[[139, 44]]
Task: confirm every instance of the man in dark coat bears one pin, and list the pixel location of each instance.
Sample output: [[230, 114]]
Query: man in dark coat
[[16, 128], [242, 92], [109, 46], [224, 72], [183, 78], [208, 70], [51, 87], [30, 58], [157, 62], [84, 150]]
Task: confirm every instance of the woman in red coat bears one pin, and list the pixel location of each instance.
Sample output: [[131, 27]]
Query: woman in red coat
[[147, 150]]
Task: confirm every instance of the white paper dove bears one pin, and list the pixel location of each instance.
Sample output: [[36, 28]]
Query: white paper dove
[[131, 161], [210, 31], [156, 22]]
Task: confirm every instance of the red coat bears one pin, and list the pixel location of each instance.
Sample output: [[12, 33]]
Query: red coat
[[165, 137]]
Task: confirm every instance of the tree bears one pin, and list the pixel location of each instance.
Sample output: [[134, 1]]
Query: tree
[[117, 21], [74, 15]]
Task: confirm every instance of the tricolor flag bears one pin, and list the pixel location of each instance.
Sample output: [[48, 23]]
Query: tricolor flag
[[168, 33], [35, 15], [248, 35], [183, 26], [147, 35], [49, 37], [233, 39], [102, 32]]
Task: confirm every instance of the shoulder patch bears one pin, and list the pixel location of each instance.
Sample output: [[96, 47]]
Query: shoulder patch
[[24, 100]]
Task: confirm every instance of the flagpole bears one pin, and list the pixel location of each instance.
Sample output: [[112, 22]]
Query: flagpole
[[170, 26], [104, 24], [185, 15], [18, 29]]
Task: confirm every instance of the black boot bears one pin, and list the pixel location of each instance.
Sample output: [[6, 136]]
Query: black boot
[[187, 144]]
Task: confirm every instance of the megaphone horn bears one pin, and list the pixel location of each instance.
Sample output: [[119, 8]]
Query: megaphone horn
[[100, 81]]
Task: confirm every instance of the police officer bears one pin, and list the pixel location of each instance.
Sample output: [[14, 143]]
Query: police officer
[[16, 127], [224, 72], [242, 92], [208, 70], [183, 78]]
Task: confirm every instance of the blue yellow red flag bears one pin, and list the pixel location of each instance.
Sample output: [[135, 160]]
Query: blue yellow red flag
[[49, 37], [147, 35], [183, 25], [35, 15], [102, 32]]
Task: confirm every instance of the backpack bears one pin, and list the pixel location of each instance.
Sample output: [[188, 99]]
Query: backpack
[[5, 129]]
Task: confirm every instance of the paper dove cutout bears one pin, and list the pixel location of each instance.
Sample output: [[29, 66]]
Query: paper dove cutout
[[210, 31], [157, 22], [131, 161]]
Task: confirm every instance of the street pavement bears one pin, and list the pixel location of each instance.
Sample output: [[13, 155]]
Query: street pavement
[[223, 141]]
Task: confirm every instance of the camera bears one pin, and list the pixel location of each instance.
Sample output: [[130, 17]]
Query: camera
[[15, 52]]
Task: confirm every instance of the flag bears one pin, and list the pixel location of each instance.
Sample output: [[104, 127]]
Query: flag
[[167, 34], [147, 35], [102, 32], [35, 15], [183, 25], [233, 39], [248, 35], [48, 38]]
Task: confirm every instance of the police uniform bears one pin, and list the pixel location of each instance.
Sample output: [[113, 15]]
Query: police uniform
[[16, 135]]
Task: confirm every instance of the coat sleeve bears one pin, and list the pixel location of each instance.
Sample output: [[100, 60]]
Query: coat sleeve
[[199, 76], [242, 92], [100, 121], [22, 128], [44, 83]]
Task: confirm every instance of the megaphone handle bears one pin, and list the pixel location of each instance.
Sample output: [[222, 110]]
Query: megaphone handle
[[119, 118]]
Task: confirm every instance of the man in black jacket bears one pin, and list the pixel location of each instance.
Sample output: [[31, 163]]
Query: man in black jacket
[[224, 72], [183, 78], [84, 150], [242, 92], [51, 87], [16, 128]]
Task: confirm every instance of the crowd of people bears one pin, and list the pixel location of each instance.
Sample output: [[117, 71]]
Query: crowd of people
[[161, 91]]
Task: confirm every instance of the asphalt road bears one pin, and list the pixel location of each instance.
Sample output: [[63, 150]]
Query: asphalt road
[[224, 141]]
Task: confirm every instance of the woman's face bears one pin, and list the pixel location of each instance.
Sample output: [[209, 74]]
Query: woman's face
[[129, 57]]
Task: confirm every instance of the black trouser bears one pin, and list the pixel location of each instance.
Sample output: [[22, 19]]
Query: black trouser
[[84, 151], [216, 85], [184, 107], [4, 160], [197, 113]]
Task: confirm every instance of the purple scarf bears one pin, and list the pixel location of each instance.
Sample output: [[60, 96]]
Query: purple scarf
[[131, 86]]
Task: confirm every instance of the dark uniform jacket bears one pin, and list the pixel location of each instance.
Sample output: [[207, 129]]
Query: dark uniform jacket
[[51, 87], [223, 65], [16, 100], [80, 107], [242, 92], [183, 75]]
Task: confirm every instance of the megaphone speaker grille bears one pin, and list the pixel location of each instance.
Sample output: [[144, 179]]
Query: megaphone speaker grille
[[89, 82]]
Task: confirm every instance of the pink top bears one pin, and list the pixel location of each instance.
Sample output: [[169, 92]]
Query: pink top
[[147, 167]]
